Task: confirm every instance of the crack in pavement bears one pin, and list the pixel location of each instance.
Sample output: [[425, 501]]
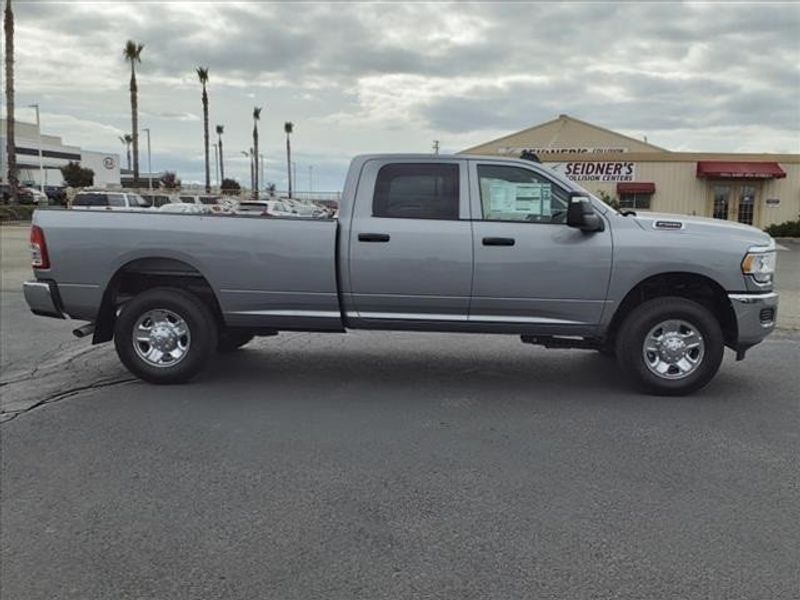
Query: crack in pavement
[[75, 371], [5, 416]]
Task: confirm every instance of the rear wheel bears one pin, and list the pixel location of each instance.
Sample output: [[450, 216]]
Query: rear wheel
[[670, 346], [165, 335], [231, 340]]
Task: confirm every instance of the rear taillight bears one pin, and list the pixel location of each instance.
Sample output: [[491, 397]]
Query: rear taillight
[[39, 257]]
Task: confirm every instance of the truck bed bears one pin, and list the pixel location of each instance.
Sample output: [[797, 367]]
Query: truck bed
[[270, 273]]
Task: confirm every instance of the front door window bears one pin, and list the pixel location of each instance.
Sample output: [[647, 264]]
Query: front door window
[[747, 201], [722, 199], [735, 202]]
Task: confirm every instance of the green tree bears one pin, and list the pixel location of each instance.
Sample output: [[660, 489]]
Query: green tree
[[170, 181], [230, 186], [202, 75], [133, 54], [220, 129], [256, 118], [11, 148], [77, 176], [288, 128]]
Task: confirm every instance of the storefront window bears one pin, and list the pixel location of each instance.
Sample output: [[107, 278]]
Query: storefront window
[[634, 201]]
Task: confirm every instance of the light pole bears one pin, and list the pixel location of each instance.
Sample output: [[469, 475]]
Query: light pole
[[41, 163], [252, 172], [310, 180], [263, 184], [294, 174], [216, 165], [149, 164]]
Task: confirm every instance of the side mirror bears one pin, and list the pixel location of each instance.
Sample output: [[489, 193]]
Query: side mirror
[[580, 214]]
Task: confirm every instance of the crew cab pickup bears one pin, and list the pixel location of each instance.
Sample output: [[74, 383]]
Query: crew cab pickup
[[427, 243]]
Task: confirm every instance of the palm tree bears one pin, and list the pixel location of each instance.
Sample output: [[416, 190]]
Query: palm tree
[[11, 148], [133, 54], [202, 74], [220, 129], [127, 139], [288, 127], [256, 117]]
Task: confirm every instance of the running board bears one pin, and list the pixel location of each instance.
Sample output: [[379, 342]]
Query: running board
[[549, 341]]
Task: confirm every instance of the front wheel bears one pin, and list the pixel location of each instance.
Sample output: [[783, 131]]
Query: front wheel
[[670, 346], [165, 335]]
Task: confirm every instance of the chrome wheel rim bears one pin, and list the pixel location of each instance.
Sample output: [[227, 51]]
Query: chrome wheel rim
[[673, 349], [161, 338]]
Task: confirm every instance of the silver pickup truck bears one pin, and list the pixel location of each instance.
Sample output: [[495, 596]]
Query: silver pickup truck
[[425, 243]]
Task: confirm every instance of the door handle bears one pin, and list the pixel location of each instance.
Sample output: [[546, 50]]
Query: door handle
[[498, 241], [373, 237]]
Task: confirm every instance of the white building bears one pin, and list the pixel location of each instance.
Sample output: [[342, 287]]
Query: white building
[[55, 154]]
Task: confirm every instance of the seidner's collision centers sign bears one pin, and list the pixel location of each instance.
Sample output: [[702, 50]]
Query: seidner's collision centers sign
[[596, 171]]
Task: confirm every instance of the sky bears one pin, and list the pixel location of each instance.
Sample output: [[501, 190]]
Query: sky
[[392, 77]]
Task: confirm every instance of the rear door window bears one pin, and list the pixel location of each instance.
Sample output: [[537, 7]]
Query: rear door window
[[90, 199], [117, 200], [417, 191]]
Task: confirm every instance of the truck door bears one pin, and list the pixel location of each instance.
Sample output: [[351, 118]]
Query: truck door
[[531, 269], [410, 242]]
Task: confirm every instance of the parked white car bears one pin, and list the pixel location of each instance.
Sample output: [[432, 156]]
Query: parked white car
[[105, 200], [264, 208], [159, 200], [32, 195], [216, 203], [186, 208]]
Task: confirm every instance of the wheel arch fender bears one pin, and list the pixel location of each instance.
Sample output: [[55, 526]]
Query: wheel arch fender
[[136, 271], [695, 286]]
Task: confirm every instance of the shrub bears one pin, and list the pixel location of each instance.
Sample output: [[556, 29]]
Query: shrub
[[16, 213], [77, 176], [786, 229]]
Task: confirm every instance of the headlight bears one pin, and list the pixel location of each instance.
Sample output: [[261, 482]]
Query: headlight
[[760, 266]]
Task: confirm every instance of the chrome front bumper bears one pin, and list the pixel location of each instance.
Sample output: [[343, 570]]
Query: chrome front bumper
[[43, 299], [756, 315]]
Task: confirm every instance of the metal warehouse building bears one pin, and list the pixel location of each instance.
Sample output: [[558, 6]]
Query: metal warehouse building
[[757, 189]]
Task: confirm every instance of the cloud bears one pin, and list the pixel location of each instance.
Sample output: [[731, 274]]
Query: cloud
[[358, 77]]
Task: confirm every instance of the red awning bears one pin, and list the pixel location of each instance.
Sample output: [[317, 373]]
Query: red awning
[[740, 170], [636, 187]]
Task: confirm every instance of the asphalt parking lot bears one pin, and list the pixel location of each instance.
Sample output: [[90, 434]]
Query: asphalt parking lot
[[392, 465]]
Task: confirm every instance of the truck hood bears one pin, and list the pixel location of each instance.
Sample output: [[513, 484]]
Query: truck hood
[[705, 226]]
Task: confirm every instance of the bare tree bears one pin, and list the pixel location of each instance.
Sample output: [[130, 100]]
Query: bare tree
[[256, 118], [202, 74], [11, 148], [133, 54], [220, 129], [288, 127]]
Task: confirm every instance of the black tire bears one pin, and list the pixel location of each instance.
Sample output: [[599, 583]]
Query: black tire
[[231, 340], [199, 321], [638, 324]]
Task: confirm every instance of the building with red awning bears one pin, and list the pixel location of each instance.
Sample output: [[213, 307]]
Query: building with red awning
[[756, 189]]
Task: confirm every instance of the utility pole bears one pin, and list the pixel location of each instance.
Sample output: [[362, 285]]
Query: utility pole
[[39, 131], [263, 182], [310, 180], [216, 165], [149, 164], [436, 146], [294, 173]]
